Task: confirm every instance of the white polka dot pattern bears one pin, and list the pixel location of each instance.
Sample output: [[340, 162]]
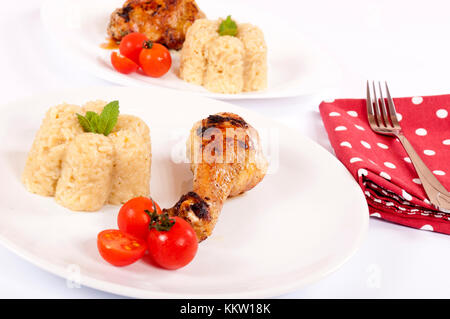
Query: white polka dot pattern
[[417, 100], [405, 195], [365, 144], [389, 165], [427, 227], [355, 159], [381, 165], [385, 175], [362, 172], [442, 114], [421, 132]]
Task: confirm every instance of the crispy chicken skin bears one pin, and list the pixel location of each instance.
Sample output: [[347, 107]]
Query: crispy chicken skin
[[162, 21], [226, 160]]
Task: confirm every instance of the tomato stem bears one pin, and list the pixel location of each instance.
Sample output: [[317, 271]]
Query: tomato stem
[[161, 222], [148, 44]]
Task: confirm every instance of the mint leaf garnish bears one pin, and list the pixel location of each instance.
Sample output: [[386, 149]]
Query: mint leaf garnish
[[93, 119], [103, 123], [108, 117], [84, 122], [228, 27]]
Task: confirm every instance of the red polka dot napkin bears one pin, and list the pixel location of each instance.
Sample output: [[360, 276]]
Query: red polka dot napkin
[[381, 165]]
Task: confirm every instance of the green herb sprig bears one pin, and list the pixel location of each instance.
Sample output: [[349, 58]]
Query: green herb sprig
[[228, 27], [103, 123], [161, 222]]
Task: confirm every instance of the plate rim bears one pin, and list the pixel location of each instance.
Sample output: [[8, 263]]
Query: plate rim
[[127, 291]]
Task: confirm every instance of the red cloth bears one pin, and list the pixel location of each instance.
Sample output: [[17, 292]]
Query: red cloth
[[382, 167]]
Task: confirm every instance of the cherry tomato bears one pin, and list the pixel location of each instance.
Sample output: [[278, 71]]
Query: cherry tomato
[[132, 44], [133, 218], [155, 59], [173, 248], [123, 64], [119, 248]]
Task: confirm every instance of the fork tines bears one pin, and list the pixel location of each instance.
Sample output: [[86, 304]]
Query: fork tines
[[380, 113]]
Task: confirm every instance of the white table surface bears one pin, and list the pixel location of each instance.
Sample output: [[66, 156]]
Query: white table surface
[[405, 42]]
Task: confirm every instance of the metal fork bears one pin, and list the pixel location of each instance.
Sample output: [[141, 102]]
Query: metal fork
[[383, 119]]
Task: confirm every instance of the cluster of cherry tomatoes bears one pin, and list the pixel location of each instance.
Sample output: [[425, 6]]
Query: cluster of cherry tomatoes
[[171, 242], [136, 50]]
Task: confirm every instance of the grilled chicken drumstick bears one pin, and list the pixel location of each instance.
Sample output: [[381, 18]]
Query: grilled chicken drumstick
[[162, 21], [226, 160]]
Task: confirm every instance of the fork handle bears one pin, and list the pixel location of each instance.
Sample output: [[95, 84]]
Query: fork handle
[[436, 192]]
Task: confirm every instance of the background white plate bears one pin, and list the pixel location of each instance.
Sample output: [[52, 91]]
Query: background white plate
[[304, 220], [296, 65]]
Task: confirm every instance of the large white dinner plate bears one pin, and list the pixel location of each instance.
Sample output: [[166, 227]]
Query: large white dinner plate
[[303, 221], [296, 65]]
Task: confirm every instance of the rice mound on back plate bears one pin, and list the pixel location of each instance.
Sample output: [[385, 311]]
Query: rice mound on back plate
[[225, 67], [193, 54], [224, 64], [255, 59], [84, 171]]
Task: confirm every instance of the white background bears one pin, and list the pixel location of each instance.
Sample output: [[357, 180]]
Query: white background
[[404, 42]]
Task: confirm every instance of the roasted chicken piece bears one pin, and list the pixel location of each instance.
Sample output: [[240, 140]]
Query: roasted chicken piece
[[162, 21], [226, 160]]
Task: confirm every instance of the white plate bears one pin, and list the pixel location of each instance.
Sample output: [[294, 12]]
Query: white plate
[[303, 221], [296, 66]]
